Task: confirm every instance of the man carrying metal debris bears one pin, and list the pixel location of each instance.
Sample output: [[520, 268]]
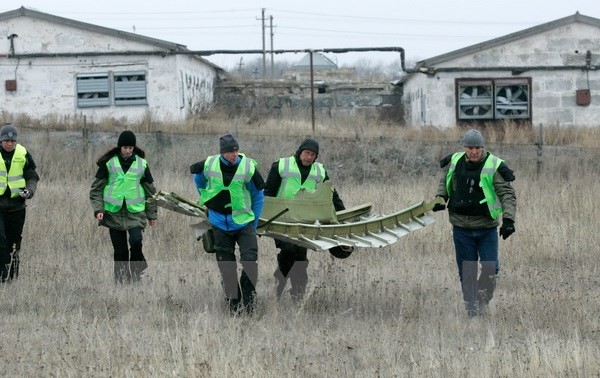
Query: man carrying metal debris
[[476, 186], [118, 195], [18, 182], [231, 188], [286, 178]]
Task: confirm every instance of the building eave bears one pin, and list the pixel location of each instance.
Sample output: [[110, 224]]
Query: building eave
[[159, 43], [492, 43]]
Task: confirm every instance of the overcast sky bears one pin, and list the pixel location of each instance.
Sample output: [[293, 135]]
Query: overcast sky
[[423, 28]]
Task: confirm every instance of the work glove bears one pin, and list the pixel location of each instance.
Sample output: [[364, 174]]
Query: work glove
[[26, 193], [439, 206], [507, 229]]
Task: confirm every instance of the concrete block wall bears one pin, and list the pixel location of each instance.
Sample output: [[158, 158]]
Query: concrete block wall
[[274, 98]]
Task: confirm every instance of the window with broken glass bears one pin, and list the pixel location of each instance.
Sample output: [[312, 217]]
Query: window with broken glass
[[111, 88]]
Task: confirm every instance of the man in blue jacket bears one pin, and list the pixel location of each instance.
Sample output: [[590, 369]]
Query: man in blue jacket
[[231, 188]]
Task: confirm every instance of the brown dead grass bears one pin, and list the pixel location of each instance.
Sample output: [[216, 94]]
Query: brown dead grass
[[391, 312]]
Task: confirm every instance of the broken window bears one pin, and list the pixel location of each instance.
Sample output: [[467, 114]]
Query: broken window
[[130, 88], [93, 90], [108, 88], [489, 99]]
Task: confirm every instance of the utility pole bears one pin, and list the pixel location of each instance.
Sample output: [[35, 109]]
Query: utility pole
[[240, 65], [272, 64], [264, 50], [312, 91]]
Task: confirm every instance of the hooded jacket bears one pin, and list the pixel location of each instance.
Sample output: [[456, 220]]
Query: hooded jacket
[[122, 219], [274, 180]]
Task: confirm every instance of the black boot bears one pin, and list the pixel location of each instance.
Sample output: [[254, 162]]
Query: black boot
[[298, 278], [248, 291], [280, 281], [121, 272], [234, 306], [137, 270], [4, 271], [14, 264], [249, 303]]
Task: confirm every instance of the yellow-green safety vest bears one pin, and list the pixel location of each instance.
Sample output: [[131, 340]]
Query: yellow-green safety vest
[[13, 179], [291, 179], [241, 201], [486, 182], [125, 186]]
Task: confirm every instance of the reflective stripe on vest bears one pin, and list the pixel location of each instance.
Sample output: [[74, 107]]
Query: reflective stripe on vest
[[125, 186], [241, 201], [291, 179], [486, 182], [13, 179]]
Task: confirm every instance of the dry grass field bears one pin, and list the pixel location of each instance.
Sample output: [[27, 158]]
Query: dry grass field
[[391, 312]]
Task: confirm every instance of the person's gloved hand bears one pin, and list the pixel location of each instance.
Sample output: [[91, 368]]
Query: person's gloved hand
[[26, 193], [439, 206], [507, 229]]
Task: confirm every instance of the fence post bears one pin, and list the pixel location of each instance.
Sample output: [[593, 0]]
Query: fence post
[[540, 150]]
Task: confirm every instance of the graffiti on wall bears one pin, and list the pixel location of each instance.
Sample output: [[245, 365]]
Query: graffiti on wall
[[197, 93]]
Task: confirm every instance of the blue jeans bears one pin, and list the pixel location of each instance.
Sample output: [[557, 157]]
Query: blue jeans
[[475, 247]]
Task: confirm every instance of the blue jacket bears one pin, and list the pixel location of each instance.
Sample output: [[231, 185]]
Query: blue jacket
[[225, 221]]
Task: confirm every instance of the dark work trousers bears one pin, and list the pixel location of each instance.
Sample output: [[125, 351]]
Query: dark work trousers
[[292, 263], [474, 248], [225, 242], [11, 228], [129, 259]]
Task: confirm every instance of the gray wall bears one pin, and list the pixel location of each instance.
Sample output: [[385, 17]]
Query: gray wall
[[277, 98]]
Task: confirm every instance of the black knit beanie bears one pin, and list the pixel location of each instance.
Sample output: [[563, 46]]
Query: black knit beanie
[[308, 144], [127, 138], [227, 143]]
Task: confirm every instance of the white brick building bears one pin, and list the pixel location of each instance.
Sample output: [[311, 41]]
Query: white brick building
[[547, 74], [55, 66]]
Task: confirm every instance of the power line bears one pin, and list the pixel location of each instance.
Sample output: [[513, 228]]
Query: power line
[[412, 20], [331, 17], [253, 10], [197, 27], [346, 32]]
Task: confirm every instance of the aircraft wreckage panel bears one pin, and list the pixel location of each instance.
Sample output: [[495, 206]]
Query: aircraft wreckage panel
[[354, 230]]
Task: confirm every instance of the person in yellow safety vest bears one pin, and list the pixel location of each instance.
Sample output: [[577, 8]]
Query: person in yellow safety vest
[[18, 183], [119, 194], [286, 177], [477, 188], [231, 188]]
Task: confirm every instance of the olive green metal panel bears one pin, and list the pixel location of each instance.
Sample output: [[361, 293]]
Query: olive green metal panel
[[305, 207], [373, 231]]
